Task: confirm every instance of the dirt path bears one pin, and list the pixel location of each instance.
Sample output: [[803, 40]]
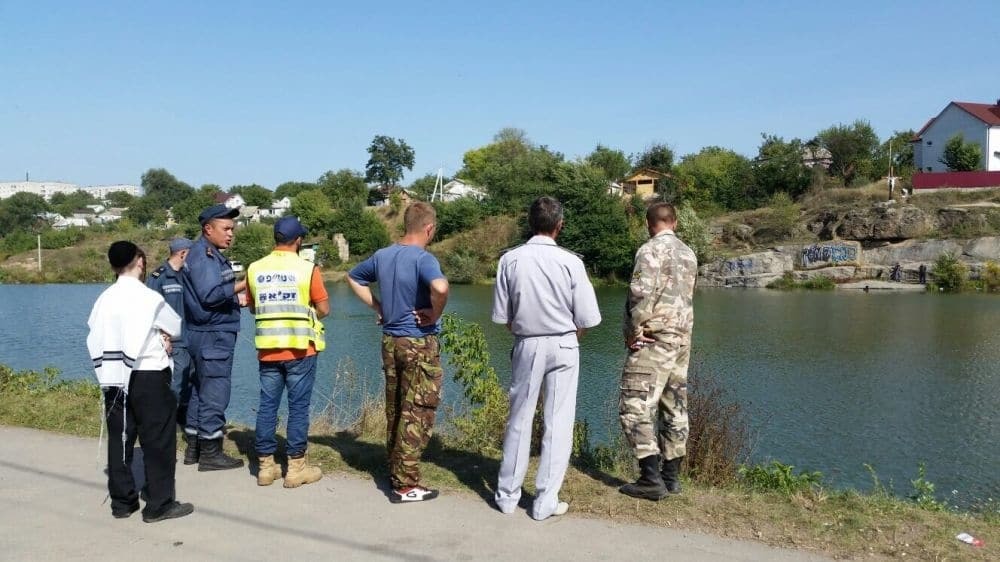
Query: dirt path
[[52, 486]]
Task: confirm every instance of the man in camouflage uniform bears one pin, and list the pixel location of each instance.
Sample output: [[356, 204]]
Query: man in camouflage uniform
[[413, 292], [657, 329]]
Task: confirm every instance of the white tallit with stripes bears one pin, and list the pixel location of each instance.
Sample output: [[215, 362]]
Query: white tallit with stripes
[[125, 326]]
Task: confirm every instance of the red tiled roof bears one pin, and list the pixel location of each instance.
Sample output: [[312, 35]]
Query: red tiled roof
[[221, 197], [985, 112]]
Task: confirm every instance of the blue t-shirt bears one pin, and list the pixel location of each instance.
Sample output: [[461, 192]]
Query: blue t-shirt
[[404, 274]]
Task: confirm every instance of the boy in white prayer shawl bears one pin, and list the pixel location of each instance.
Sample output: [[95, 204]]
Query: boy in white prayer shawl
[[129, 342]]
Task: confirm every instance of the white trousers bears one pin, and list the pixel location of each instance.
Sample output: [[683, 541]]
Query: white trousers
[[551, 363]]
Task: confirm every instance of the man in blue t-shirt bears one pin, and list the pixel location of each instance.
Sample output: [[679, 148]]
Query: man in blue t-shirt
[[412, 295]]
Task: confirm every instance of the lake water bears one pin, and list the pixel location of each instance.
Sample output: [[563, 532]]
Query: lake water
[[830, 380]]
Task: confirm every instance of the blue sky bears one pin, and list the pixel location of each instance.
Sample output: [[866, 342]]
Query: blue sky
[[241, 92]]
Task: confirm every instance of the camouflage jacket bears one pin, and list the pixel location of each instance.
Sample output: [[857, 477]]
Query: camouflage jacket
[[660, 294]]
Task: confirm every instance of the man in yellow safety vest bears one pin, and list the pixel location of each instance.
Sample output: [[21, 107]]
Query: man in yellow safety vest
[[287, 297]]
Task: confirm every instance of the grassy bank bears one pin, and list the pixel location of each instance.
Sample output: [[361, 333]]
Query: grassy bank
[[775, 503]]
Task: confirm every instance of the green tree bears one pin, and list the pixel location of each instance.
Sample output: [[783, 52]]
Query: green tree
[[613, 163], [343, 187], [119, 199], [361, 228], [512, 169], [254, 195], [423, 186], [251, 243], [387, 158], [146, 211], [162, 189], [961, 156], [778, 168], [20, 211], [717, 176], [949, 273], [902, 155], [590, 210], [657, 156], [186, 211], [293, 188], [313, 210], [66, 203], [852, 148]]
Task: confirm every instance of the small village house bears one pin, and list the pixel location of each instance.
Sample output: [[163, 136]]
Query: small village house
[[643, 182], [976, 122]]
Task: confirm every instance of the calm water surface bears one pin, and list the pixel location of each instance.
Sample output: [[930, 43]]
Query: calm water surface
[[830, 380]]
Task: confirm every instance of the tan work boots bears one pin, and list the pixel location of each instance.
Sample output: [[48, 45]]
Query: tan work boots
[[299, 472], [268, 472]]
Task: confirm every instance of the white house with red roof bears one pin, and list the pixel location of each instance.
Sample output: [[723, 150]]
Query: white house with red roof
[[977, 122]]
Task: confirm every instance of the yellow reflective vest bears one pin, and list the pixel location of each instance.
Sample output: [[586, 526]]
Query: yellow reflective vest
[[280, 285]]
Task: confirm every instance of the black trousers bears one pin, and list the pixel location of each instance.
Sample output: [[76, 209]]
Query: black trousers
[[150, 413]]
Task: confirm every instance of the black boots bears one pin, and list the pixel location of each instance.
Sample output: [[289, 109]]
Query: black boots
[[650, 485], [211, 456], [670, 471], [191, 451]]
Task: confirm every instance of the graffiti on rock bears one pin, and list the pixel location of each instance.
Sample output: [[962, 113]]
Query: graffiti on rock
[[827, 253], [738, 266]]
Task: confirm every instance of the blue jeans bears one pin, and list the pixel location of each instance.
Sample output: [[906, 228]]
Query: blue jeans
[[298, 377]]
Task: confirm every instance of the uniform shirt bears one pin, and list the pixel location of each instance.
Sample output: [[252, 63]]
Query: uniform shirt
[[404, 274], [542, 289], [169, 283], [210, 302], [661, 292]]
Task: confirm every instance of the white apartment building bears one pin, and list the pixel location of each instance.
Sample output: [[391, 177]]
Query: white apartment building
[[49, 188]]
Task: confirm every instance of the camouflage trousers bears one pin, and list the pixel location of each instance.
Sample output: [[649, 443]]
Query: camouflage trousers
[[654, 389], [413, 377]]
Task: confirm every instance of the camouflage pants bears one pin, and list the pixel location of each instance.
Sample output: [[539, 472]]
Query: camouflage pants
[[413, 377], [654, 388]]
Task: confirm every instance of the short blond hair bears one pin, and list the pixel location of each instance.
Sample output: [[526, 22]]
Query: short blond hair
[[418, 215]]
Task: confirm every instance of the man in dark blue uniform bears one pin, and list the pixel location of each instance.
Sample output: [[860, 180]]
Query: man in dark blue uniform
[[167, 281], [212, 301]]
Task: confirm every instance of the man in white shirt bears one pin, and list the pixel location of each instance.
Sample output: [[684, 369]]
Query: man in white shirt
[[129, 343]]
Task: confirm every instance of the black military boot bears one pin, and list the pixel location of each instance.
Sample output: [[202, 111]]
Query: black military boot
[[670, 473], [191, 451], [211, 456], [649, 486]]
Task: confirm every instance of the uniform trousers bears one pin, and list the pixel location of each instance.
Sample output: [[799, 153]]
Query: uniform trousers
[[180, 384], [212, 355], [550, 364], [149, 414]]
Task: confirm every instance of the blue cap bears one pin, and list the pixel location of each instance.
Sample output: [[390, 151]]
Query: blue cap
[[178, 244], [217, 212], [288, 228]]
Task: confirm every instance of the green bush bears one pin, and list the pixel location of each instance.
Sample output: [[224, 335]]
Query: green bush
[[457, 216], [481, 428], [55, 239], [780, 220], [778, 477], [991, 277], [462, 266], [18, 241], [950, 274], [362, 228], [694, 232]]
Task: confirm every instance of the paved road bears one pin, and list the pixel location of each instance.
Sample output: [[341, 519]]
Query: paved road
[[52, 486]]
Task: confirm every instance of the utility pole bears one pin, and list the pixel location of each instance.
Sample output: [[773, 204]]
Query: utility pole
[[39, 252], [438, 193], [892, 180]]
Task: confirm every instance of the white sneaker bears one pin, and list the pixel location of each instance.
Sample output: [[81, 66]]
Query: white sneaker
[[561, 509], [414, 494]]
